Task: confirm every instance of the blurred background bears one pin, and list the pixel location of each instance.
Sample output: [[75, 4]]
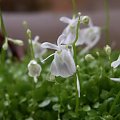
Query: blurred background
[[43, 17], [55, 5]]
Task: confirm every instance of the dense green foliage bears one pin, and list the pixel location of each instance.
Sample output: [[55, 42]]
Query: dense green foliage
[[22, 99]]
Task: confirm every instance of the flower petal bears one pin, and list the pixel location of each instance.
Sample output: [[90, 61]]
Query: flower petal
[[38, 50], [54, 67], [69, 39], [78, 87], [116, 63], [91, 37], [36, 38], [63, 64], [81, 37], [65, 20], [34, 68], [115, 79], [70, 34], [90, 22], [74, 22], [61, 39], [49, 46]]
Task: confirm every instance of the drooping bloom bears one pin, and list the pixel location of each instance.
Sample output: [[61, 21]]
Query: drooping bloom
[[38, 50], [115, 64], [63, 63], [70, 30], [88, 36], [34, 69]]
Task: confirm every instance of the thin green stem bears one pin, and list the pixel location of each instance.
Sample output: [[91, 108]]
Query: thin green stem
[[32, 51], [3, 30], [74, 8], [107, 22], [114, 103], [4, 33], [77, 98], [77, 32], [30, 44], [77, 73], [3, 53]]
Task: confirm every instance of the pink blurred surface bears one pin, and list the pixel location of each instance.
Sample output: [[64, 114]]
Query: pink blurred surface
[[48, 26]]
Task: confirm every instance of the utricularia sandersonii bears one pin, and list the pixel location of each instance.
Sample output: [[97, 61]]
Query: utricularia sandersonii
[[65, 63], [38, 50]]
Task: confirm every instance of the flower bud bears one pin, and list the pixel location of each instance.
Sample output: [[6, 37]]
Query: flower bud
[[85, 19], [25, 23], [97, 53], [34, 69], [18, 42], [5, 45], [79, 14], [29, 33], [89, 57], [107, 49]]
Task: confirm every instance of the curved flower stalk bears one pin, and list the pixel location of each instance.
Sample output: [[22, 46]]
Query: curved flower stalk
[[38, 50], [88, 36], [115, 64], [63, 63], [34, 69]]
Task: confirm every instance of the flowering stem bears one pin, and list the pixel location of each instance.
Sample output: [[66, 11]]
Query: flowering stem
[[2, 56], [75, 58], [30, 44], [74, 8], [4, 33], [114, 103], [107, 24]]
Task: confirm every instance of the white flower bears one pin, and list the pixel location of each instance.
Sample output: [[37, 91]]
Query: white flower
[[34, 69], [38, 50], [70, 30], [116, 63], [88, 36], [63, 63]]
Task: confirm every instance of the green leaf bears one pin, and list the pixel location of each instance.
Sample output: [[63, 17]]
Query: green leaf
[[56, 107], [86, 108]]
